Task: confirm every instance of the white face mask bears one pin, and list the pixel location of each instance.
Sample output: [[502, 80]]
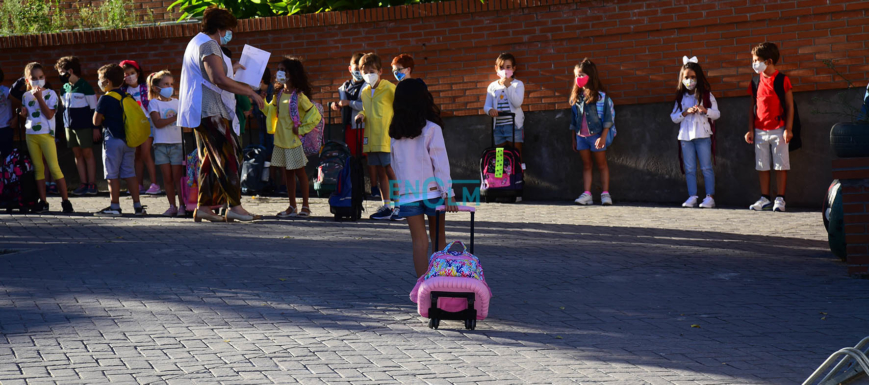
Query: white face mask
[[758, 66], [371, 78], [103, 85], [37, 83], [690, 83], [130, 79], [281, 77]]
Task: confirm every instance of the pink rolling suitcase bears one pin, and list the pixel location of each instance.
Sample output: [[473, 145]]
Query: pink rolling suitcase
[[454, 287]]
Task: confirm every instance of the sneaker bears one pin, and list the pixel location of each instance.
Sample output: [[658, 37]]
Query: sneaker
[[606, 199], [395, 215], [173, 211], [182, 213], [691, 202], [779, 205], [154, 190], [518, 199], [584, 199], [375, 193], [92, 189], [139, 211], [383, 213], [762, 204], [81, 190], [142, 189], [41, 207], [708, 203], [108, 212], [67, 207], [51, 189]]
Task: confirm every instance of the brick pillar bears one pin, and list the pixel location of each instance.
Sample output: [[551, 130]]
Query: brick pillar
[[853, 173]]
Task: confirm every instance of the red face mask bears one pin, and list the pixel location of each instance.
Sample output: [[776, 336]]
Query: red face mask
[[582, 81]]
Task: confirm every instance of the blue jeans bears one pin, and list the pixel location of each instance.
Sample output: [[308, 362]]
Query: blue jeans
[[691, 151]]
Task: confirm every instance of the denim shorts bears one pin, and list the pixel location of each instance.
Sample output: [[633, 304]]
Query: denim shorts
[[587, 143], [168, 153], [425, 206], [118, 159], [504, 133], [379, 159]]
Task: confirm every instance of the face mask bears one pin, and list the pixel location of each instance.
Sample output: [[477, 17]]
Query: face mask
[[399, 75], [167, 92], [690, 83], [357, 76], [758, 66], [281, 76], [581, 82], [503, 74], [64, 78], [37, 83], [371, 78], [103, 85], [130, 79], [225, 39]]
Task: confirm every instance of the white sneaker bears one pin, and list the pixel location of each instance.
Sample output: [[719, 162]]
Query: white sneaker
[[779, 205], [708, 203], [762, 204], [691, 202], [584, 199], [606, 200]]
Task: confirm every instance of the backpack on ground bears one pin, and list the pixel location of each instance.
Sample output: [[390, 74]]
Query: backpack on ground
[[333, 156], [18, 178], [778, 85], [137, 128], [501, 174], [346, 200], [253, 166]]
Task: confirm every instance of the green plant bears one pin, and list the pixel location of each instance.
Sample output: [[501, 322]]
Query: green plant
[[244, 9], [842, 104], [29, 16], [22, 17]]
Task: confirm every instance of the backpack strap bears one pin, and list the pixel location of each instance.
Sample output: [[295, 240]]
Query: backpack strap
[[778, 84]]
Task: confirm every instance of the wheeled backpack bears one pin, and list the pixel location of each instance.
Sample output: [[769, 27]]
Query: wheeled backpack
[[18, 178], [501, 173]]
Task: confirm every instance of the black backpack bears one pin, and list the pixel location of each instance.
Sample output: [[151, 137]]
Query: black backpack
[[779, 87]]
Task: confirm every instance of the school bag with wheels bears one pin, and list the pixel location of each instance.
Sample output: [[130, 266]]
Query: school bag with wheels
[[18, 177], [778, 84], [346, 200], [501, 173], [333, 156], [253, 167], [137, 128], [454, 286]]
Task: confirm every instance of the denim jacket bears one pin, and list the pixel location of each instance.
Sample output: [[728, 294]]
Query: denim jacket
[[592, 116]]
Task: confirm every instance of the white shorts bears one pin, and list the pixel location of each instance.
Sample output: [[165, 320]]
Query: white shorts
[[770, 149]]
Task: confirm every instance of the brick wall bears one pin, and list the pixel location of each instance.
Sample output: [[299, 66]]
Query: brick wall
[[854, 175], [638, 45], [157, 8]]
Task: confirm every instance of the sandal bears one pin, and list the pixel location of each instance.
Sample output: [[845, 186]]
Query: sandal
[[306, 212], [288, 213]]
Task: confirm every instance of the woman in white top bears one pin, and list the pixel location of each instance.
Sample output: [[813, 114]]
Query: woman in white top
[[695, 110], [422, 168]]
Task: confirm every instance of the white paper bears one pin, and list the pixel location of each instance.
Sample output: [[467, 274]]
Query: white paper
[[254, 61]]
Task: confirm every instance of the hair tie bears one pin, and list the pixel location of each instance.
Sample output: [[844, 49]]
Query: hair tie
[[685, 60]]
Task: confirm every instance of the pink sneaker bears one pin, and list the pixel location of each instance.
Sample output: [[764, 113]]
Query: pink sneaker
[[153, 190], [142, 189], [173, 211]]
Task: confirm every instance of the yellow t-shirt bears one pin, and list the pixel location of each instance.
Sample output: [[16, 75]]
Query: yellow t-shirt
[[282, 124], [378, 113]]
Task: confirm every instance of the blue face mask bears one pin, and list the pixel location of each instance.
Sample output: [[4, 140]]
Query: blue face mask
[[167, 92], [399, 75], [357, 76], [225, 39]]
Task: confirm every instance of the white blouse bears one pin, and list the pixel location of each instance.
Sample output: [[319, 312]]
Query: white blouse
[[694, 126]]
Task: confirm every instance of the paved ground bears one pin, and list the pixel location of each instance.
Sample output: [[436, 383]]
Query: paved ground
[[620, 295]]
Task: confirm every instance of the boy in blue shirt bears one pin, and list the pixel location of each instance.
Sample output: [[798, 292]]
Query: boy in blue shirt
[[118, 158]]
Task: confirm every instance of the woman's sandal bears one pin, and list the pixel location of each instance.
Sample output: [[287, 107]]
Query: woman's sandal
[[305, 212], [288, 213]]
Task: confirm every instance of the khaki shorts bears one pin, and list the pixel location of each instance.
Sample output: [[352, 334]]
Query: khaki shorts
[[771, 151], [80, 137]]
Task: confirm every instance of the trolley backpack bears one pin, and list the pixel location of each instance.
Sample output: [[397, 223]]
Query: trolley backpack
[[18, 177], [346, 200], [501, 173], [253, 166], [454, 286], [778, 84], [333, 156]]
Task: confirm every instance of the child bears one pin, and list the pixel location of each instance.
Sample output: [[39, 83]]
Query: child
[[506, 95], [168, 153], [350, 105], [38, 108], [118, 158], [770, 126], [402, 67], [79, 101], [593, 117], [292, 115], [135, 85], [420, 157], [695, 110], [377, 98], [8, 120]]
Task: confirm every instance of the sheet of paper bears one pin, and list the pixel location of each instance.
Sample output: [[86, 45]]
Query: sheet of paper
[[254, 61]]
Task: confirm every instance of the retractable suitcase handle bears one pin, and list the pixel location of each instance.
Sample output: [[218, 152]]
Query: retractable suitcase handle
[[442, 208]]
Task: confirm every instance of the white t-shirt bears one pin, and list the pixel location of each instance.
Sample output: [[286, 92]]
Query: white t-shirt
[[36, 122], [137, 96], [5, 107], [170, 134]]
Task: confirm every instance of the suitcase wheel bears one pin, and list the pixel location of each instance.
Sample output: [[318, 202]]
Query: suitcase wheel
[[434, 323], [470, 324]]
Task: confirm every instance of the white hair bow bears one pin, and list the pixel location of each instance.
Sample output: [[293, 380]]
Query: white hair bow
[[685, 60]]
